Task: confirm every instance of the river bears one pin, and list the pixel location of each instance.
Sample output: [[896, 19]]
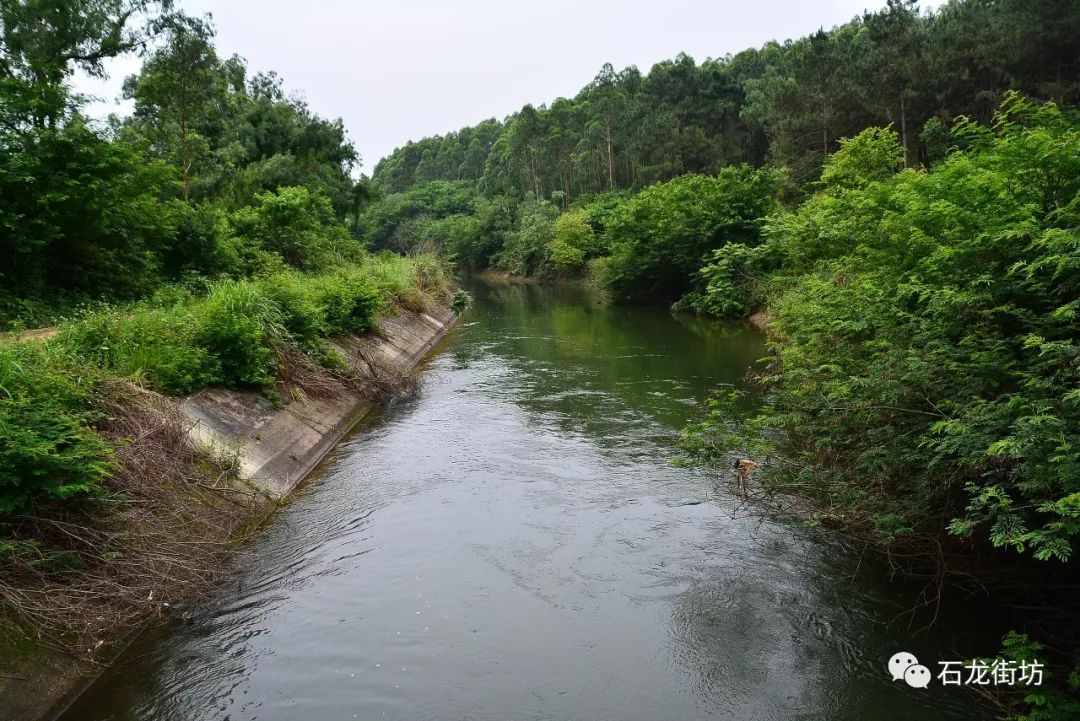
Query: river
[[513, 543]]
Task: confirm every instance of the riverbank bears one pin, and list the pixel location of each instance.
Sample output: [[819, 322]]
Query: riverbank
[[201, 472], [514, 543]]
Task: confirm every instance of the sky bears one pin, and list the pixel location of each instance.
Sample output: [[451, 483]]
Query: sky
[[399, 70]]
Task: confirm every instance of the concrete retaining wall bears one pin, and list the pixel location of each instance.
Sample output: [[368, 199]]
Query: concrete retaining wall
[[278, 447]]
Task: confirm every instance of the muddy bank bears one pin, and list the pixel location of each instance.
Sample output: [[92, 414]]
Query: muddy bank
[[189, 511]]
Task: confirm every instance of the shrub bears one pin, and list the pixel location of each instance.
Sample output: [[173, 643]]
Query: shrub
[[460, 302], [48, 448], [528, 247], [928, 376], [158, 345], [349, 301], [296, 298], [874, 154], [659, 238], [297, 225], [573, 240], [731, 281], [238, 324]]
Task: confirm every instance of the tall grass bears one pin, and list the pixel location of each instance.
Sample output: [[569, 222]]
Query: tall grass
[[178, 342]]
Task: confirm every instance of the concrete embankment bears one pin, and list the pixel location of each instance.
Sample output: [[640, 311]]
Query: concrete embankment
[[276, 448]]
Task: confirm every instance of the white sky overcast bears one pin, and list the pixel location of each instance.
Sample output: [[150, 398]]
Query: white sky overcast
[[398, 70]]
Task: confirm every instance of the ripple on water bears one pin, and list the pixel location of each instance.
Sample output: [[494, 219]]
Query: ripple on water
[[512, 543]]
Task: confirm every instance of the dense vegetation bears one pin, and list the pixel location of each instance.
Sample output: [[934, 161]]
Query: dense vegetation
[[240, 333], [200, 214], [215, 174], [924, 390], [927, 370], [489, 195], [790, 102], [207, 239], [900, 195]]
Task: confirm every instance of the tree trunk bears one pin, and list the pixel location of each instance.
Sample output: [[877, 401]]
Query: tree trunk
[[185, 159], [903, 128], [610, 157]]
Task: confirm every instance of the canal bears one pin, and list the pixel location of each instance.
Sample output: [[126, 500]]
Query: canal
[[513, 542]]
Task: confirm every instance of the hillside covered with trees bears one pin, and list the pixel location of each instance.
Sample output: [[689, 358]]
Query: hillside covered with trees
[[482, 192], [897, 197]]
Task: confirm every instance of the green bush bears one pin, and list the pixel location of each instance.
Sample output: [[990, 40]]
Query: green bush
[[349, 301], [48, 448], [928, 372], [527, 249], [176, 343], [434, 200], [158, 345], [872, 155], [573, 240], [660, 237], [297, 299], [298, 226], [731, 282], [238, 324]]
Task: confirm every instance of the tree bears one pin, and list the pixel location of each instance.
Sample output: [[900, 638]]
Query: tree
[[181, 88], [660, 237], [42, 41], [573, 240], [894, 59]]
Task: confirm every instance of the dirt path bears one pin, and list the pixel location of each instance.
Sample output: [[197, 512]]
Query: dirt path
[[33, 334]]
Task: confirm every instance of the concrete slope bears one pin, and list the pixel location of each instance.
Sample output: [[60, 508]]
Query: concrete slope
[[278, 447]]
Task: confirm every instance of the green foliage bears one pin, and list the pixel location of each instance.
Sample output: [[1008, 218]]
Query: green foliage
[[89, 216], [349, 300], [158, 345], [731, 281], [1049, 701], [238, 324], [937, 140], [49, 450], [927, 371], [527, 249], [79, 213], [297, 225], [460, 302], [874, 154], [790, 102], [573, 241], [395, 222], [660, 237]]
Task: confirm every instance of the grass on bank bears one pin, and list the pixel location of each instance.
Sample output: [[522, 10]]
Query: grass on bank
[[51, 393], [96, 474]]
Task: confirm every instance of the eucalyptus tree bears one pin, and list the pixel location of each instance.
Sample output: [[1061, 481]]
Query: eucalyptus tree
[[182, 89]]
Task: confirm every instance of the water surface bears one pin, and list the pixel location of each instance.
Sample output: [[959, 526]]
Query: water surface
[[512, 543]]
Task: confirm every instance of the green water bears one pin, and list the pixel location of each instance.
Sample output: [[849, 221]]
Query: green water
[[512, 543]]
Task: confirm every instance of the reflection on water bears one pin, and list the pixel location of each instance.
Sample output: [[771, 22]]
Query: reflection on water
[[513, 544]]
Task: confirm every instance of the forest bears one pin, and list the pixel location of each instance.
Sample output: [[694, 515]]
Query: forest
[[208, 239], [897, 199]]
